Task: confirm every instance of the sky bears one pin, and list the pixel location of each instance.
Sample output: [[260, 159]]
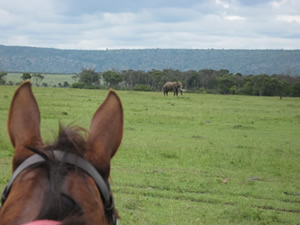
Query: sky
[[144, 24]]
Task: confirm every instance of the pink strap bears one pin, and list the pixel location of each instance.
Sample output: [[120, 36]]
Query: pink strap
[[43, 222]]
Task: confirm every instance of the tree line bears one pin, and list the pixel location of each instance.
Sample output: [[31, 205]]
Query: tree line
[[202, 81]]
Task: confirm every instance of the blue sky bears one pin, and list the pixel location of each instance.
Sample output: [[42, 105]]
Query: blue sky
[[139, 24]]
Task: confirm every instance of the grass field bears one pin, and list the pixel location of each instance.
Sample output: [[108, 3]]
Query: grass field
[[196, 159]]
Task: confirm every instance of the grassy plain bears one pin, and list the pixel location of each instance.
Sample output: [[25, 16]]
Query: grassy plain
[[196, 159]]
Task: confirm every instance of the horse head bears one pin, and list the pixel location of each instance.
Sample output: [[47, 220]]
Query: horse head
[[66, 181]]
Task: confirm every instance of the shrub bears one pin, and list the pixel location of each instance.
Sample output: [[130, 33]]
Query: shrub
[[142, 87], [77, 85], [202, 90]]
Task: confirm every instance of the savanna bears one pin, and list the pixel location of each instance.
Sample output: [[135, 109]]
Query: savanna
[[191, 159]]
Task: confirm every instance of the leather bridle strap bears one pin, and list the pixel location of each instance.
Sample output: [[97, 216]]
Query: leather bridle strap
[[77, 161], [89, 169], [34, 159]]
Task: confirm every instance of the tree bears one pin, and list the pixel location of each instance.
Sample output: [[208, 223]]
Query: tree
[[132, 77], [2, 74], [209, 78], [247, 89], [44, 84], [112, 78], [26, 76], [273, 87], [192, 80], [38, 78], [296, 90], [158, 79], [259, 84], [75, 77], [89, 77], [226, 84], [286, 89]]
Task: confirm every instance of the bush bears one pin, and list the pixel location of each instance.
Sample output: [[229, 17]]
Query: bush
[[233, 90], [296, 90], [202, 90], [11, 83], [91, 87], [77, 85], [142, 87]]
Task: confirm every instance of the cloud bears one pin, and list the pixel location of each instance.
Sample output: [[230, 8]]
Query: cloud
[[101, 24], [233, 17], [223, 3], [289, 18]]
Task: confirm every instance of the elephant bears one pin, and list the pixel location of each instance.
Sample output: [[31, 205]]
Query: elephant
[[172, 86]]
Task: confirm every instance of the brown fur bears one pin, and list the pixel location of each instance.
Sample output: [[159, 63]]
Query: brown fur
[[57, 191]]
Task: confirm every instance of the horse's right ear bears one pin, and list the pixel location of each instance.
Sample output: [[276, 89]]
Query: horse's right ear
[[24, 123], [106, 132]]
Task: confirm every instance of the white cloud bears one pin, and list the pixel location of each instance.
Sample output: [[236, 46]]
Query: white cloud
[[233, 17], [6, 18], [278, 3], [96, 24], [223, 3], [289, 18], [118, 18]]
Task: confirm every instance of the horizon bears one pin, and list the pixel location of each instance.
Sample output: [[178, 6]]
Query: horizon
[[107, 49]]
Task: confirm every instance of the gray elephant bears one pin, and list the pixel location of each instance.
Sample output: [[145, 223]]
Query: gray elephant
[[173, 86]]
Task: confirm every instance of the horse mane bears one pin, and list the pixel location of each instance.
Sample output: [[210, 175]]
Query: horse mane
[[58, 206], [70, 139]]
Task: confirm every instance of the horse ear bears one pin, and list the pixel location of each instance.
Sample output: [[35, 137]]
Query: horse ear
[[23, 123], [106, 132]]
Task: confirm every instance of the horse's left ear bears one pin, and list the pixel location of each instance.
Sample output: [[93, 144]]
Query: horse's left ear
[[24, 123], [106, 132]]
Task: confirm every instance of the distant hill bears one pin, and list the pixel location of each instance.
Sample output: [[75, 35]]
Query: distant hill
[[48, 60]]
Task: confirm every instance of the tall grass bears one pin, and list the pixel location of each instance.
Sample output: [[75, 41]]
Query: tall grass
[[196, 159]]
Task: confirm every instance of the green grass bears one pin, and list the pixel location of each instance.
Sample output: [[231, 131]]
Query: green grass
[[197, 159]]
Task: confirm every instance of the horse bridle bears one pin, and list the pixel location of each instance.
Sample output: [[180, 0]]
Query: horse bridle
[[76, 161]]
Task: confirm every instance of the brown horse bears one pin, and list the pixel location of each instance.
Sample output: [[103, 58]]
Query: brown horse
[[65, 182]]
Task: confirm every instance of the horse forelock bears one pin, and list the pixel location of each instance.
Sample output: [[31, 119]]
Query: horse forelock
[[57, 205], [70, 139]]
